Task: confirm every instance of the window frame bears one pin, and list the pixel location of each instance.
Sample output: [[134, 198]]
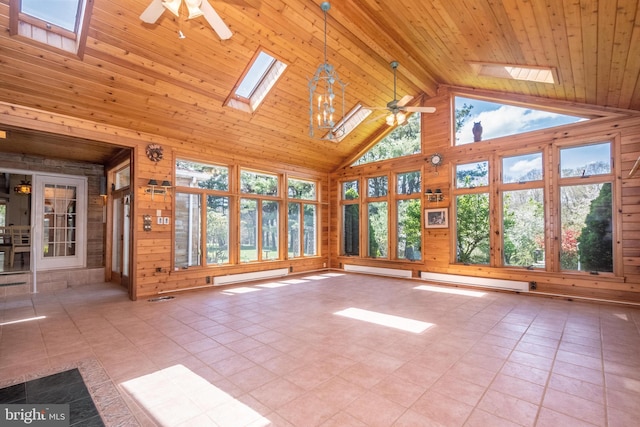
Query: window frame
[[559, 182], [204, 194], [301, 203]]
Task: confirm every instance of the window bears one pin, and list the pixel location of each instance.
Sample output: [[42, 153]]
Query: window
[[259, 217], [217, 229], [586, 210], [402, 141], [472, 213], [253, 87], [408, 216], [258, 183], [378, 217], [516, 72], [523, 242], [62, 25], [477, 120], [348, 123], [122, 177], [302, 218], [350, 204], [188, 234], [202, 231]]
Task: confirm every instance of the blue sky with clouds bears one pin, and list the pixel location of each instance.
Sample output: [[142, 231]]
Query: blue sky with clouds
[[501, 120]]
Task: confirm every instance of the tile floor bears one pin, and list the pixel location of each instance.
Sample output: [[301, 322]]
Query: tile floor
[[334, 350]]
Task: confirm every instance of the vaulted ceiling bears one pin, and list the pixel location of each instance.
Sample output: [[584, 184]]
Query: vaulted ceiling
[[143, 77]]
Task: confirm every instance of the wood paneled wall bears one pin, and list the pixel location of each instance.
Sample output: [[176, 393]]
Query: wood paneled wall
[[620, 126]]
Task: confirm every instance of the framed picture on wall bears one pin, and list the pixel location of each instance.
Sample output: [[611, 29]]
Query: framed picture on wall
[[436, 218]]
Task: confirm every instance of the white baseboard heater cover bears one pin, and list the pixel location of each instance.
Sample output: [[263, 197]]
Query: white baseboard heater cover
[[378, 270], [246, 277], [511, 285]]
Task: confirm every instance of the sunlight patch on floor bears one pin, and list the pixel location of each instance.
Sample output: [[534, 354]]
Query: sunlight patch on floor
[[242, 290], [28, 319], [454, 291], [397, 322], [176, 395]]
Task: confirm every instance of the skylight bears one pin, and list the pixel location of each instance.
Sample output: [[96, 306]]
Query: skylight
[[62, 13], [516, 72], [256, 83], [349, 122], [254, 76], [63, 22]]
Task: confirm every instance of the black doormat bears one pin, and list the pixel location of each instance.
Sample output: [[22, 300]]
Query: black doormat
[[66, 387]]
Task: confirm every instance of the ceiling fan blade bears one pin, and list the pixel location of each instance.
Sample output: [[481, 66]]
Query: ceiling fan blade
[[151, 14], [215, 21], [420, 109], [404, 100]]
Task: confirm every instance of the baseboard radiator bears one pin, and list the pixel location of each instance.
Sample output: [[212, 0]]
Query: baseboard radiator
[[378, 270], [247, 277], [511, 285]]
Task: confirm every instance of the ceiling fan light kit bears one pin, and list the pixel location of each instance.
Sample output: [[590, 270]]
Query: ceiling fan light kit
[[196, 8], [397, 108]]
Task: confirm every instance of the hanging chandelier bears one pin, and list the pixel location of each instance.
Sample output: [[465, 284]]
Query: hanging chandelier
[[326, 96], [24, 188]]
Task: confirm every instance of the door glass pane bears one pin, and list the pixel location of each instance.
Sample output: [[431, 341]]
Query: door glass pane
[[472, 228], [187, 230], [293, 225], [116, 236], [310, 229], [217, 230], [270, 230], [523, 223], [59, 228], [248, 230], [409, 230], [378, 230], [587, 229]]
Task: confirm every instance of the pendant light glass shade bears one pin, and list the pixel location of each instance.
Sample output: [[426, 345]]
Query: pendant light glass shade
[[326, 96]]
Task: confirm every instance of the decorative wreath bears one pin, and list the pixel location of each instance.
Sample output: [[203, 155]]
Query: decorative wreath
[[154, 152]]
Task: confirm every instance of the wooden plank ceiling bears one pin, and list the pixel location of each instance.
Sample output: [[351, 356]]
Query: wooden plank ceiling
[[143, 77]]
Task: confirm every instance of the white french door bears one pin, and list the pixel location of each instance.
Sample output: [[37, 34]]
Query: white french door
[[60, 221]]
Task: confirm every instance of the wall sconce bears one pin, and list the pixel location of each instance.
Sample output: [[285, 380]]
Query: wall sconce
[[436, 196], [152, 184]]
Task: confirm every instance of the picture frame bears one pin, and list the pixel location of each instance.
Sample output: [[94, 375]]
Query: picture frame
[[436, 218]]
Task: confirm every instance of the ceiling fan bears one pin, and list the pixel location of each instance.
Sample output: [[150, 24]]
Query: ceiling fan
[[195, 8], [398, 108]]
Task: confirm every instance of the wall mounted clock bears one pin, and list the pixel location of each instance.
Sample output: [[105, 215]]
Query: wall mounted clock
[[154, 152], [436, 159]]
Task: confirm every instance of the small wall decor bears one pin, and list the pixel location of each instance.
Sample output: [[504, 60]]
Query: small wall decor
[[154, 152], [436, 218]]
